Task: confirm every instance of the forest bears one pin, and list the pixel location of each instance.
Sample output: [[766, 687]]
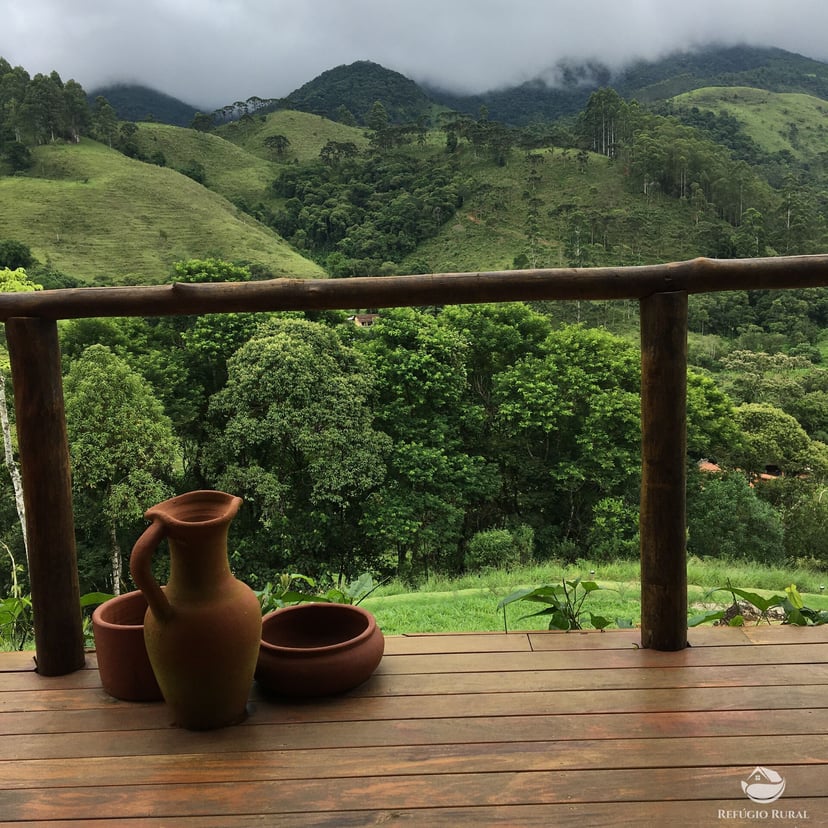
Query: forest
[[444, 439]]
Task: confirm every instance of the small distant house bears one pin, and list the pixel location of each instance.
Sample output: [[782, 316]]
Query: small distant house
[[364, 320]]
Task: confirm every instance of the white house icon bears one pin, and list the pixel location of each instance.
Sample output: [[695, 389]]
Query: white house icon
[[764, 786]]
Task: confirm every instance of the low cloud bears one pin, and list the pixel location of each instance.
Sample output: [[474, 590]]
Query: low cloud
[[214, 52]]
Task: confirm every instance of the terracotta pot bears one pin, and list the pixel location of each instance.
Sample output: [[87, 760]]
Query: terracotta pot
[[318, 649], [123, 663], [203, 630]]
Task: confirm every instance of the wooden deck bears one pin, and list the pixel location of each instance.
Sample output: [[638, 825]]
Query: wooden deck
[[550, 729]]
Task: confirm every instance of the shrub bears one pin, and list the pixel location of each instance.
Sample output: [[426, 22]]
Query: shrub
[[523, 538], [726, 519], [614, 530], [492, 549]]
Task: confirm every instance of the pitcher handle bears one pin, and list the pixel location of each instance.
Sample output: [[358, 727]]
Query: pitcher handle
[[140, 565]]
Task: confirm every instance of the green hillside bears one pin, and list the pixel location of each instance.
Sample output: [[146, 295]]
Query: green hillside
[[236, 160], [777, 121], [307, 134], [96, 215], [229, 170], [587, 214], [585, 209]]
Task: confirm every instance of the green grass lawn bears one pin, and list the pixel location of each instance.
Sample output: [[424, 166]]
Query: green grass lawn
[[469, 604]]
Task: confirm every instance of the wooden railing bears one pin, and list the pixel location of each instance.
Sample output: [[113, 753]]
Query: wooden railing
[[662, 291]]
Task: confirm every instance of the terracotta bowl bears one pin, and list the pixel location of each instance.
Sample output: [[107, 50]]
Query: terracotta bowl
[[118, 627], [315, 650]]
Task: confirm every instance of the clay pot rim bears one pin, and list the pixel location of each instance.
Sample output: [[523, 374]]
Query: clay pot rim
[[122, 599], [213, 496], [325, 648]]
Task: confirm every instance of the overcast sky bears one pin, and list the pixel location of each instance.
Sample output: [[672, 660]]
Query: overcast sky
[[213, 52]]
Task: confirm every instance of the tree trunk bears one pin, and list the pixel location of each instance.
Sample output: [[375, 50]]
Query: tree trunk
[[11, 465], [117, 561]]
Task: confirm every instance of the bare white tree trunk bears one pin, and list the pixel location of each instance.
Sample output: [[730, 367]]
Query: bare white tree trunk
[[11, 463], [117, 565]]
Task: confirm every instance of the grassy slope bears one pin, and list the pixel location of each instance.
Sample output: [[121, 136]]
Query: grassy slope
[[230, 170], [307, 134], [237, 162], [96, 214], [768, 116], [74, 210], [490, 229], [469, 604]]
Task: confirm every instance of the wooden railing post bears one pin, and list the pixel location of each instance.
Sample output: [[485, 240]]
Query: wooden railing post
[[663, 471], [47, 486]]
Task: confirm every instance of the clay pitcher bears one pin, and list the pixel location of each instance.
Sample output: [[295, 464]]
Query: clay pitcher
[[204, 629]]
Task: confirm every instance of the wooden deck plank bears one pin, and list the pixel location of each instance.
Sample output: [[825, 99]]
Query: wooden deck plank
[[596, 659], [767, 633], [448, 790], [528, 681], [457, 643], [518, 729], [612, 678], [519, 662], [675, 813], [481, 704], [32, 681], [15, 661], [352, 761], [621, 639], [413, 732]]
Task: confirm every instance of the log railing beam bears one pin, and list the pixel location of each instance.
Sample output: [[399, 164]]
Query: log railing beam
[[47, 489], [599, 283]]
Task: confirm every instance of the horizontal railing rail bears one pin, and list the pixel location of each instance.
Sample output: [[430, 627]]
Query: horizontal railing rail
[[662, 291], [185, 298]]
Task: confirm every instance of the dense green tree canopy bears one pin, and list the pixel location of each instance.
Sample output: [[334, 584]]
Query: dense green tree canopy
[[775, 439], [433, 475], [15, 254], [727, 520], [123, 454], [292, 434], [569, 421]]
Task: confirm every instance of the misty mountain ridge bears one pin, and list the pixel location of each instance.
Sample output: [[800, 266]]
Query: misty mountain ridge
[[349, 91], [135, 102], [565, 88]]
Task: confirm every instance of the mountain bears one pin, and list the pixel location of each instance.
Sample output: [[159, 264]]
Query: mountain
[[356, 87], [133, 102], [347, 93], [646, 81], [762, 68]]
